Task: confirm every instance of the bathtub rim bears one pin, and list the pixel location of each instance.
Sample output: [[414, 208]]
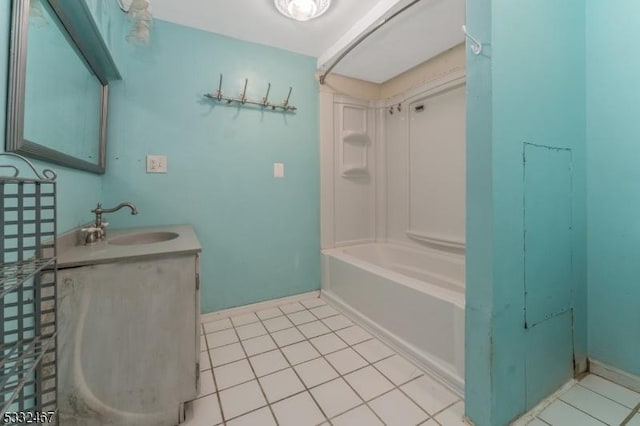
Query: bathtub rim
[[457, 298]]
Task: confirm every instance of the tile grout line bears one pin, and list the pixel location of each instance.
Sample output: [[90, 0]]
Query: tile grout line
[[395, 387], [283, 346], [300, 363], [279, 348], [371, 364], [215, 383], [256, 379], [305, 339], [323, 356], [248, 360], [631, 415], [579, 409], [341, 376], [287, 328], [368, 364], [624, 422], [442, 410], [429, 416], [432, 419], [283, 355], [607, 397]]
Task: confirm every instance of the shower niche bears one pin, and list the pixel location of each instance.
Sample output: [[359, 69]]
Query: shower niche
[[354, 140], [348, 171]]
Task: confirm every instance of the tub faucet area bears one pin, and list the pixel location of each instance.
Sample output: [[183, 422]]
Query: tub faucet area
[[98, 231]]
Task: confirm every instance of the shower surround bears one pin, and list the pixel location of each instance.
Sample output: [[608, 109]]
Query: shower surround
[[393, 219]]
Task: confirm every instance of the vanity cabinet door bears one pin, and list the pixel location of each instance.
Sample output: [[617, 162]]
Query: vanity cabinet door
[[127, 341]]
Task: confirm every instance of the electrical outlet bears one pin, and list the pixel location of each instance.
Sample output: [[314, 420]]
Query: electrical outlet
[[156, 164], [278, 170]]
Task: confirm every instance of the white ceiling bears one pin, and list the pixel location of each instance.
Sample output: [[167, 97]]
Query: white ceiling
[[427, 29], [259, 21]]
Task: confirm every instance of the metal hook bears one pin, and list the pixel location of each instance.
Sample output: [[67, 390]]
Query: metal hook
[[265, 100], [244, 92], [399, 107], [476, 46], [219, 92], [391, 110], [286, 102]]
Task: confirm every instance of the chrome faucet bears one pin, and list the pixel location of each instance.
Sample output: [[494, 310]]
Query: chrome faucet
[[98, 231]]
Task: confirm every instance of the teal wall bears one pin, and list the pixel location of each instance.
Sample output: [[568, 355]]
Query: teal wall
[[479, 289], [526, 154], [77, 190], [613, 102], [260, 235]]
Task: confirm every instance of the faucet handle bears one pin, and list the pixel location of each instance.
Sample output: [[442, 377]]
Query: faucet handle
[[93, 235], [90, 229]]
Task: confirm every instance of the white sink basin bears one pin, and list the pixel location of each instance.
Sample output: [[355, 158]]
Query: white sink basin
[[143, 238]]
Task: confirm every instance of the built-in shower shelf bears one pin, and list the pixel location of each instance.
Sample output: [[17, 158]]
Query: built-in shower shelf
[[354, 154], [355, 137]]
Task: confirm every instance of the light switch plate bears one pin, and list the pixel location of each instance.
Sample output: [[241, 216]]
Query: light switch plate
[[278, 170], [156, 164]]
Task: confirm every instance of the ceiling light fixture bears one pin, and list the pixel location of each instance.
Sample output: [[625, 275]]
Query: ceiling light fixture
[[302, 10]]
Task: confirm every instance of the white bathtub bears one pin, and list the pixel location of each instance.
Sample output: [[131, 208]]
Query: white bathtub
[[413, 299]]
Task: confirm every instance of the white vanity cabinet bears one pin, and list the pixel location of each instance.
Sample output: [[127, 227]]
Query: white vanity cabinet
[[128, 341]]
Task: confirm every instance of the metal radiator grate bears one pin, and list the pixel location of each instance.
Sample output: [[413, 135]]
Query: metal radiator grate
[[27, 287]]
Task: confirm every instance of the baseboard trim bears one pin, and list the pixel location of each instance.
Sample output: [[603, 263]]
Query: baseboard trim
[[245, 309], [615, 375]]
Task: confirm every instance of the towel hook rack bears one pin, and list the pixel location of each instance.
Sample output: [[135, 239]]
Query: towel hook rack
[[219, 96], [476, 46]]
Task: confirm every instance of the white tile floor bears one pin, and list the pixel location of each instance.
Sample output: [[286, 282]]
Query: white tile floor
[[305, 364], [592, 401]]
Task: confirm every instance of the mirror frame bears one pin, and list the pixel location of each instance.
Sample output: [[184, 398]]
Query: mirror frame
[[15, 141]]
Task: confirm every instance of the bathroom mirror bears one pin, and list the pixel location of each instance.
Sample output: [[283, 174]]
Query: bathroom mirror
[[57, 109]]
